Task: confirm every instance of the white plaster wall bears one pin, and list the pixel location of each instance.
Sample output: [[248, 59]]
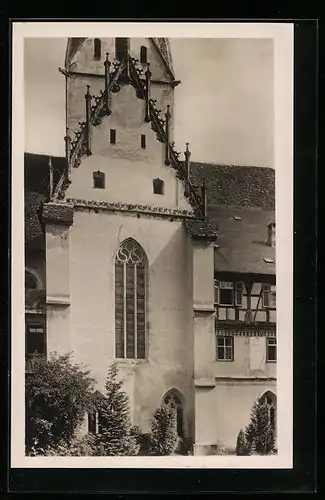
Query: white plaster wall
[[242, 366], [93, 243], [221, 412]]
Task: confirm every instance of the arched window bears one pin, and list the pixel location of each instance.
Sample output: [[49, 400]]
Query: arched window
[[121, 48], [269, 399], [172, 398], [143, 54], [130, 300], [97, 48], [158, 186]]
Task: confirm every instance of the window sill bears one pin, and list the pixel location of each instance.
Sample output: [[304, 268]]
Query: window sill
[[224, 360], [271, 361], [131, 361]]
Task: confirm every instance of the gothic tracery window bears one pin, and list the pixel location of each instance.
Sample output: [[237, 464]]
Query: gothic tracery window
[[171, 398], [269, 399], [130, 300]]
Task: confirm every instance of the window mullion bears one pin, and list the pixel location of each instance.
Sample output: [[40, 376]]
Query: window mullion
[[124, 307], [135, 313]]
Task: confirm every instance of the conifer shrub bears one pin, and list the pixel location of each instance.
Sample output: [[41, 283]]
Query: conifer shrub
[[242, 447], [115, 437], [259, 434], [164, 438]]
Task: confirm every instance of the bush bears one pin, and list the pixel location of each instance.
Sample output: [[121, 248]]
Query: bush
[[164, 438], [259, 433], [79, 446], [242, 448], [143, 440], [115, 436], [58, 393]]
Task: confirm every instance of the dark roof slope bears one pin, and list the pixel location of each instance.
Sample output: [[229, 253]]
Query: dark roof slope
[[236, 186], [36, 192], [242, 240]]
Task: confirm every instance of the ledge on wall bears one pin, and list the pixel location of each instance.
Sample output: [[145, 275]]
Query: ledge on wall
[[205, 382]]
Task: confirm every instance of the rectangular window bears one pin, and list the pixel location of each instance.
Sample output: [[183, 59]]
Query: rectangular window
[[271, 349], [121, 48], [99, 180], [224, 293], [35, 339], [269, 296], [112, 136], [143, 141], [225, 348], [97, 48]]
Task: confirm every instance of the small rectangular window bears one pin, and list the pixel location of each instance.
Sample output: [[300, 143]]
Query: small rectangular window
[[143, 54], [143, 141], [224, 293], [99, 180], [97, 48], [271, 349], [225, 348], [112, 136]]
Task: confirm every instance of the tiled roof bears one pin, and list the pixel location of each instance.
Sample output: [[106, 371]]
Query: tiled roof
[[241, 244], [36, 192], [162, 45], [236, 185]]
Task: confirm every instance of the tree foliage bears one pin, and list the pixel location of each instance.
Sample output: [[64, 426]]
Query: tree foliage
[[115, 435], [259, 434], [164, 438], [58, 393]]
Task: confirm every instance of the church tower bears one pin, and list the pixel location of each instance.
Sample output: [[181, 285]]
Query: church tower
[[118, 225]]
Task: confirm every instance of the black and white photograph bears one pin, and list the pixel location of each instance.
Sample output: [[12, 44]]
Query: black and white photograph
[[152, 266]]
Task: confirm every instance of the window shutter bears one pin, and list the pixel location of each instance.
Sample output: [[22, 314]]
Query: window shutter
[[266, 295], [239, 293]]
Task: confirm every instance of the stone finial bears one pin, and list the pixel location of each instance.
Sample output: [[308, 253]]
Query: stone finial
[[168, 114], [187, 155]]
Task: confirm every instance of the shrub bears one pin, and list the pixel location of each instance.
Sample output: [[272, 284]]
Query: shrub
[[143, 440], [79, 446], [242, 447], [164, 438], [115, 430], [259, 433], [58, 393]]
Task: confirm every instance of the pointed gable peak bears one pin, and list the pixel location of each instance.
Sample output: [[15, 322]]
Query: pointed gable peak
[[162, 45]]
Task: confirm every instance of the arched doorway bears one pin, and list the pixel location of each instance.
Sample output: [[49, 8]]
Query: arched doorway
[[269, 399], [175, 399]]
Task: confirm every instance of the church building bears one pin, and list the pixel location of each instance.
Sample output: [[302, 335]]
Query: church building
[[136, 254]]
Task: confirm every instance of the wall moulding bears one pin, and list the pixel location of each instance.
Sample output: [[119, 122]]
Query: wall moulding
[[159, 212]]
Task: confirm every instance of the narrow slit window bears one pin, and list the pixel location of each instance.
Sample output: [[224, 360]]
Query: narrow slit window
[[271, 349], [97, 48], [143, 141], [158, 186], [112, 136], [143, 54], [121, 48], [99, 180]]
